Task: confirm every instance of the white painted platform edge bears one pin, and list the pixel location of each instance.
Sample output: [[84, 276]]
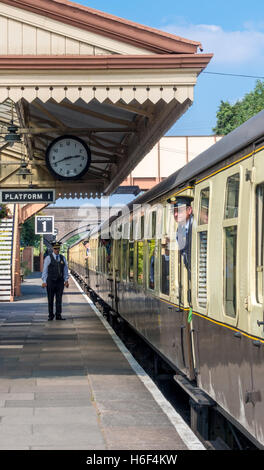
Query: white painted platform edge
[[185, 433]]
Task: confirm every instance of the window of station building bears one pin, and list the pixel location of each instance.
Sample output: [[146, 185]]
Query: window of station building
[[165, 267], [140, 252], [259, 241], [202, 243], [232, 196]]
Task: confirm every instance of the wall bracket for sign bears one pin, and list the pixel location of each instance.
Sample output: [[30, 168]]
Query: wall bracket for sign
[[27, 196]]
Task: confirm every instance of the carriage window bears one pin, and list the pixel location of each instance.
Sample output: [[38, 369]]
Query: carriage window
[[131, 261], [117, 259], [124, 259], [153, 220], [230, 270], [232, 196], [165, 268], [204, 206], [259, 241], [230, 244], [142, 218], [151, 263], [140, 262], [109, 255]]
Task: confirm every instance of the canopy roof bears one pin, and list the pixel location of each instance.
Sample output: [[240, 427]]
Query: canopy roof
[[74, 70]]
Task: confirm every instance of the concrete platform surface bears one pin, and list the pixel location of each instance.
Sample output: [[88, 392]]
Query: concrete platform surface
[[72, 385]]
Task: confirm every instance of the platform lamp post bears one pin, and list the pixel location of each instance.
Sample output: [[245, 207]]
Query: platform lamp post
[[41, 253]]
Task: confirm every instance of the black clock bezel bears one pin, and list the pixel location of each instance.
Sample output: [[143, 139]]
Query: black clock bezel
[[68, 178]]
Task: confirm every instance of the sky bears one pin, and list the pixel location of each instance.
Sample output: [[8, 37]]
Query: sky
[[232, 30]]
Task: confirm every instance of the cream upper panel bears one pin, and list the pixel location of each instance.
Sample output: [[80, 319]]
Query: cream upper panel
[[23, 32]]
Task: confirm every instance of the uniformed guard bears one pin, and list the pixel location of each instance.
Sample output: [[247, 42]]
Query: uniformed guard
[[54, 277], [183, 214]]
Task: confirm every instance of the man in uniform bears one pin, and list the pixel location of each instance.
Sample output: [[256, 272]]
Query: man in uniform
[[183, 215], [87, 247], [54, 277]]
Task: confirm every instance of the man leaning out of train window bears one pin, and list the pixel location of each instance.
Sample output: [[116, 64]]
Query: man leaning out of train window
[[87, 248], [183, 215]]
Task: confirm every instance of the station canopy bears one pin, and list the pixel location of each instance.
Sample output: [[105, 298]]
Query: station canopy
[[66, 69]]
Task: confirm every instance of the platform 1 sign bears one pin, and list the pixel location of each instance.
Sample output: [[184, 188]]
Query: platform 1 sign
[[24, 196], [44, 225]]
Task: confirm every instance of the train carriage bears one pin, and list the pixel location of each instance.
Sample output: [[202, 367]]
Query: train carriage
[[206, 322]]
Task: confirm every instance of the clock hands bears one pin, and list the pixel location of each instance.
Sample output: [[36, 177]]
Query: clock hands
[[68, 158]]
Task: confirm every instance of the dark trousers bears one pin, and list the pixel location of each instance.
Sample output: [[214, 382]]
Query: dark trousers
[[55, 289]]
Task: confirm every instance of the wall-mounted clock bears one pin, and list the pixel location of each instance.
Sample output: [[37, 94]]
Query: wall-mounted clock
[[68, 157]]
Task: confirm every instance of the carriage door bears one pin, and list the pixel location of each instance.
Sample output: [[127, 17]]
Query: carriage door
[[180, 294], [117, 274], [109, 246], [256, 309]]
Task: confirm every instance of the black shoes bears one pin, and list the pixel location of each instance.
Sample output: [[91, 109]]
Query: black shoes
[[59, 317]]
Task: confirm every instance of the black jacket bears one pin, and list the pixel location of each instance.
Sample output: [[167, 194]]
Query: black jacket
[[56, 269]]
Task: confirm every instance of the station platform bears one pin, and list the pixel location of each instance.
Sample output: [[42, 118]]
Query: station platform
[[73, 385]]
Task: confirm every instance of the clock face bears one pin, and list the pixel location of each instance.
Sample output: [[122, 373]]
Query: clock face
[[68, 157]]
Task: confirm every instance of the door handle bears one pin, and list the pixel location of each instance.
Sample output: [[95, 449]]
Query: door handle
[[182, 347]]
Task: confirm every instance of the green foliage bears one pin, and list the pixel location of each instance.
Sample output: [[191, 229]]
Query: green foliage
[[3, 211], [28, 237], [229, 116]]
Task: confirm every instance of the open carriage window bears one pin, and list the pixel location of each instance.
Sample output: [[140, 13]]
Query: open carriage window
[[151, 261], [165, 267], [140, 249], [230, 270]]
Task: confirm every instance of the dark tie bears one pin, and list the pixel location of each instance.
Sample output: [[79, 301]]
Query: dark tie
[[58, 258]]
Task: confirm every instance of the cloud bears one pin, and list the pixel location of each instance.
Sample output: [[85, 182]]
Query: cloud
[[228, 47]]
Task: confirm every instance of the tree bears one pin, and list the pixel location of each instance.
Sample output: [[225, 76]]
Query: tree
[[229, 116], [28, 236]]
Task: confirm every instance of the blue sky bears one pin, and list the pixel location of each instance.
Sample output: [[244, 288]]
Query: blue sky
[[232, 30]]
